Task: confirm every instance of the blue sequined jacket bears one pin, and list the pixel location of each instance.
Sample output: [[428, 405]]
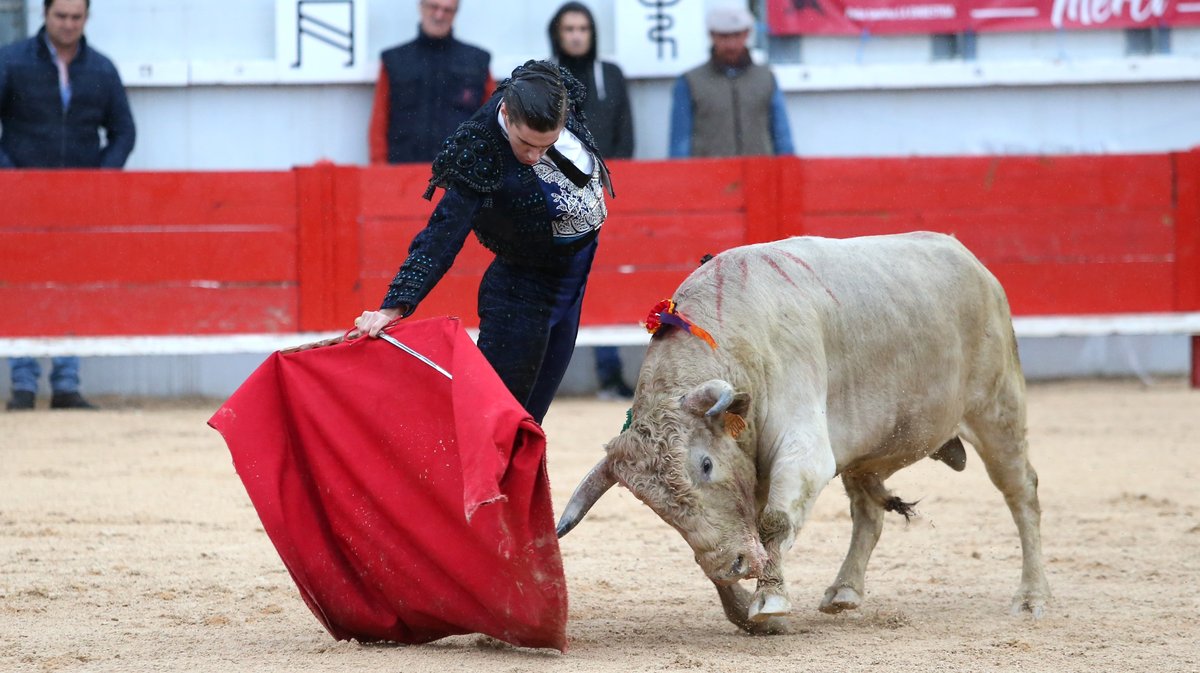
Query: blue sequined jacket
[[488, 191]]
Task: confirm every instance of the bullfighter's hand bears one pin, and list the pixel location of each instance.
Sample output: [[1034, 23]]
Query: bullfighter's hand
[[372, 322]]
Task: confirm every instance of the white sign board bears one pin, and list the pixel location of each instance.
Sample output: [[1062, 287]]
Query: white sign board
[[320, 40], [661, 38]]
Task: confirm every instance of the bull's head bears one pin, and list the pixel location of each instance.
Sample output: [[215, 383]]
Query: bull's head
[[680, 457]]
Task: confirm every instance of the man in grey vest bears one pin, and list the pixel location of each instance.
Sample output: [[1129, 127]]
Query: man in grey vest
[[728, 106]]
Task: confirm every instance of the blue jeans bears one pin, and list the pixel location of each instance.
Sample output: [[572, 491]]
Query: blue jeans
[[528, 321], [64, 374]]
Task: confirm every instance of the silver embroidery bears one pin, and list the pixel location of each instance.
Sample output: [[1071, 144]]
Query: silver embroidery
[[579, 209]]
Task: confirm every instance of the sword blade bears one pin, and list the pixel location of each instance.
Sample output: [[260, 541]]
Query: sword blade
[[393, 341]]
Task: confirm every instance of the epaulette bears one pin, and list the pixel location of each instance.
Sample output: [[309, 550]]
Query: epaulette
[[472, 156]]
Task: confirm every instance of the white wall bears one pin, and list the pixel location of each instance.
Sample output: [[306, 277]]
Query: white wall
[[1068, 92]]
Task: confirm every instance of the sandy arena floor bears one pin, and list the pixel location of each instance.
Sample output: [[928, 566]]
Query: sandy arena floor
[[128, 544]]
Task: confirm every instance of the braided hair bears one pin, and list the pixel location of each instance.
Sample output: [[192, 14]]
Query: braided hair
[[539, 94]]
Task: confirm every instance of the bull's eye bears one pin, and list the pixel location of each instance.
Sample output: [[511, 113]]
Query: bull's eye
[[706, 466]]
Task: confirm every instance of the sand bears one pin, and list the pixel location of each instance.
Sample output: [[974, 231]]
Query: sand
[[128, 544]]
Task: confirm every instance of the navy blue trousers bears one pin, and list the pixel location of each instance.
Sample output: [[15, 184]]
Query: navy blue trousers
[[528, 321]]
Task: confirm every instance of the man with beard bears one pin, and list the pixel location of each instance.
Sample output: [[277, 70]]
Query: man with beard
[[728, 106]]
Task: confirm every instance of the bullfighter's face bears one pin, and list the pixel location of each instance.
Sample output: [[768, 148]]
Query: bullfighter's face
[[528, 145]]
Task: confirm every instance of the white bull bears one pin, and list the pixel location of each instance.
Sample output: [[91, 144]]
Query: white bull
[[852, 357]]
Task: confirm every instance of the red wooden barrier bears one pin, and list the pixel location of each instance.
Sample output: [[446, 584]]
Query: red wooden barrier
[[110, 253]]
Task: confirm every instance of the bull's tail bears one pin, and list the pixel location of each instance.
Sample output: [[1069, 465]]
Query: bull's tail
[[895, 504]]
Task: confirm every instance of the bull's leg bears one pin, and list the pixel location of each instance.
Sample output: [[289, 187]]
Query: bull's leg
[[799, 471], [736, 602], [999, 438], [770, 596], [867, 498]]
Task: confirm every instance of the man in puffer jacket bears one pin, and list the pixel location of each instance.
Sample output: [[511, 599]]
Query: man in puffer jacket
[[56, 93]]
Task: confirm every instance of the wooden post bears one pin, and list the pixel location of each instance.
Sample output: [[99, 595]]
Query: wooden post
[[327, 204], [1187, 243], [1196, 361]]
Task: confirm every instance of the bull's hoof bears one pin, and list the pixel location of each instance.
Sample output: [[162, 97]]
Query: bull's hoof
[[839, 599], [775, 626], [1033, 604], [766, 605]]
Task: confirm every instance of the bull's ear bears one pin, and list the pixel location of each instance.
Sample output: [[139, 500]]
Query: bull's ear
[[740, 405]]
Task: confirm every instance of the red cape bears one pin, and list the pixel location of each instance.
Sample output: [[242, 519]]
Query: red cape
[[407, 507]]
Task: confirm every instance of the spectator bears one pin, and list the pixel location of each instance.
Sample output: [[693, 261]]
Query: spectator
[[426, 88], [524, 174], [728, 106], [573, 46], [56, 93]]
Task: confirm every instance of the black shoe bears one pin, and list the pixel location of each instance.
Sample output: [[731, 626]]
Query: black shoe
[[22, 400], [70, 401]]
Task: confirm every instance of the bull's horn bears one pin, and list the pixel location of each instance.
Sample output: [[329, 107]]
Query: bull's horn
[[594, 485]]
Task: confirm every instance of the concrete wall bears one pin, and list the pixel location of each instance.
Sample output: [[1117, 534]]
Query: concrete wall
[[204, 98]]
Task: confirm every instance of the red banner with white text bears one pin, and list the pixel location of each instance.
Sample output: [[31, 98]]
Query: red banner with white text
[[854, 17]]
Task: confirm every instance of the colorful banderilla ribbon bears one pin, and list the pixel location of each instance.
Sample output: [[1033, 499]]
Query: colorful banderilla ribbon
[[665, 313]]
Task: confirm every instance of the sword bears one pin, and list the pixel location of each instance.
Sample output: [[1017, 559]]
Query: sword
[[392, 340]]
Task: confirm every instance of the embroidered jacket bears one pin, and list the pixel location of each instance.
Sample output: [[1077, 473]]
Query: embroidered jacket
[[519, 216]]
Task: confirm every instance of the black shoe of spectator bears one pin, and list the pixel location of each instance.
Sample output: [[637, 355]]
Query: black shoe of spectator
[[22, 400], [70, 401]]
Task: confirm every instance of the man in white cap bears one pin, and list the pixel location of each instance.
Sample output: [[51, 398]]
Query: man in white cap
[[728, 106]]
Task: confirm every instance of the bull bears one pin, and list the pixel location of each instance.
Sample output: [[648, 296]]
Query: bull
[[820, 357]]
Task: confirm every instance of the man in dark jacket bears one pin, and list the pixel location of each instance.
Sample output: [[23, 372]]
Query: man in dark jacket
[[573, 46], [56, 93], [426, 88]]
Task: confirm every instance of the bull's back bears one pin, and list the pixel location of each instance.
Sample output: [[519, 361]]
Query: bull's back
[[847, 284], [907, 329]]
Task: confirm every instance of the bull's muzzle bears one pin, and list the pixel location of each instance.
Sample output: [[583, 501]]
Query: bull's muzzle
[[725, 567]]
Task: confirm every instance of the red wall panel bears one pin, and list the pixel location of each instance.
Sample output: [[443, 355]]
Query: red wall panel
[[180, 253]]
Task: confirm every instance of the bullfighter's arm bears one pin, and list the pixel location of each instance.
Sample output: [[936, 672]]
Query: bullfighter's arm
[[434, 248]]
